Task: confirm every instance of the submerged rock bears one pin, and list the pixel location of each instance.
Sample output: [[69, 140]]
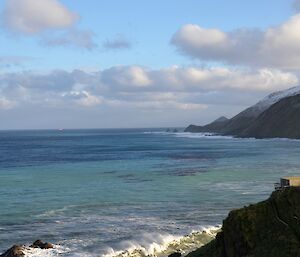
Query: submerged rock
[[14, 251], [267, 229]]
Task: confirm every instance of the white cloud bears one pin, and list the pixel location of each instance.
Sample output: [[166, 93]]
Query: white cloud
[[210, 79], [127, 76], [159, 105], [150, 104], [111, 97], [83, 98], [281, 45], [277, 46], [190, 88], [32, 16], [6, 104], [48, 20], [198, 39]]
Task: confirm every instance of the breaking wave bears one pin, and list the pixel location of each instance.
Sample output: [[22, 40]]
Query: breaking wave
[[161, 245], [37, 252]]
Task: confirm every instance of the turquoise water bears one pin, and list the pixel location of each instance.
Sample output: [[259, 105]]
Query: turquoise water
[[94, 192]]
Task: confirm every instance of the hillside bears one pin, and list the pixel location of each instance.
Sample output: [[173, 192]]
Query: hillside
[[277, 115], [280, 120], [266, 229]]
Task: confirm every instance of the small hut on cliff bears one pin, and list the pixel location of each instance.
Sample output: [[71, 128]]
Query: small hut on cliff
[[288, 182]]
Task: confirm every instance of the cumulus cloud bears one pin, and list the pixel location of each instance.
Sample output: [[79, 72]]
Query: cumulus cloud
[[175, 87], [197, 40], [31, 16], [111, 97], [49, 20], [117, 43], [210, 79], [82, 98], [127, 76], [277, 46]]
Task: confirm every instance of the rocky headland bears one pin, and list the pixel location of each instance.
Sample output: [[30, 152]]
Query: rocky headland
[[267, 229], [276, 116]]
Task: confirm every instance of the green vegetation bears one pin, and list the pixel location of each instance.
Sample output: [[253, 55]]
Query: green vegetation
[[267, 229]]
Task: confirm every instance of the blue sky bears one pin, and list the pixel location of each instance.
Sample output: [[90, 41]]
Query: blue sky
[[157, 63], [148, 25]]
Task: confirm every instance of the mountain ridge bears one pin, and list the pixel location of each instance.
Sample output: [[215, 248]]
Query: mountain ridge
[[248, 122]]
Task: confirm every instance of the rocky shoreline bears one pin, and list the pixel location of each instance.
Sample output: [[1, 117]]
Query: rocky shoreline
[[18, 250], [270, 228]]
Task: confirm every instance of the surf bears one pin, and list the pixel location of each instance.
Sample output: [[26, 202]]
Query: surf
[[161, 245]]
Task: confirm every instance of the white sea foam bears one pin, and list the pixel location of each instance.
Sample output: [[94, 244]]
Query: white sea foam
[[158, 132], [149, 245], [209, 135], [280, 139], [202, 135], [160, 245], [55, 212], [190, 134], [37, 252]]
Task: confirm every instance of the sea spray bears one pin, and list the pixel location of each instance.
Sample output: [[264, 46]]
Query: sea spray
[[58, 250], [158, 245]]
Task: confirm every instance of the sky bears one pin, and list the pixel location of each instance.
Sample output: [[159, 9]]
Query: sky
[[127, 64]]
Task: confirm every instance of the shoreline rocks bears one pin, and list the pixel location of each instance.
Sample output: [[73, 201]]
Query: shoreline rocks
[[41, 244], [14, 251], [18, 250]]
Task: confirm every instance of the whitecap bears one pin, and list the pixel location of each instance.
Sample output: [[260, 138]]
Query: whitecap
[[202, 135], [160, 245], [58, 250]]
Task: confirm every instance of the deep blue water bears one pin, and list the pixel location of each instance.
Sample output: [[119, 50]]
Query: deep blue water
[[92, 190]]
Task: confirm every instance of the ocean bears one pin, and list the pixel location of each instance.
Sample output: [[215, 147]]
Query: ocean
[[130, 192]]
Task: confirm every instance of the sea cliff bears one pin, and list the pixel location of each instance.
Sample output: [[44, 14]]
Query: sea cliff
[[267, 229]]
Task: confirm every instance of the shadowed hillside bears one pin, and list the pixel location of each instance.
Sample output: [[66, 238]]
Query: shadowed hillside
[[280, 119], [267, 229]]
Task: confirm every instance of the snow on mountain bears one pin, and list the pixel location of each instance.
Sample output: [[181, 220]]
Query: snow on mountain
[[242, 122], [277, 96], [269, 100]]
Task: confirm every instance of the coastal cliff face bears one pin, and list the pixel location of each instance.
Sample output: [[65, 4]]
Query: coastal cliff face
[[278, 115], [267, 229]]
